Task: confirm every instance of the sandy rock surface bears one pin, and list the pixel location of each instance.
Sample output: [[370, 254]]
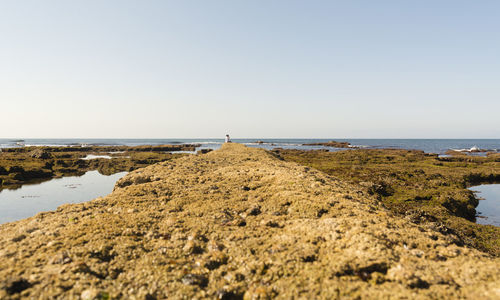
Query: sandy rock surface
[[231, 224]]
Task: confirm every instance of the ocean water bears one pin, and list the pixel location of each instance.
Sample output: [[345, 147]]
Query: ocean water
[[439, 146]]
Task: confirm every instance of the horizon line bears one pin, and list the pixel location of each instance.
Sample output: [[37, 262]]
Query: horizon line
[[244, 138]]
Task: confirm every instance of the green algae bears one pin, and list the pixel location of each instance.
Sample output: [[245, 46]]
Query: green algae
[[424, 187], [173, 230], [19, 166]]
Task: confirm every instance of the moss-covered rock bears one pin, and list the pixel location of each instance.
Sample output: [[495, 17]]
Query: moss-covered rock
[[187, 233], [40, 153], [333, 144], [409, 182], [29, 164]]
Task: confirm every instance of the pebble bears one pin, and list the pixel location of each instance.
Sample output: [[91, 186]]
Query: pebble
[[61, 258], [18, 238], [254, 211], [195, 279], [89, 294], [215, 260], [192, 247], [214, 246], [259, 292], [224, 294], [270, 223]]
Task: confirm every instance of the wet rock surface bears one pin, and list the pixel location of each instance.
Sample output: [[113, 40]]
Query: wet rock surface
[[333, 144], [180, 235], [36, 164]]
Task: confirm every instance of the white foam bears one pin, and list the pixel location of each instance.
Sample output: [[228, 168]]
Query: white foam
[[91, 156]]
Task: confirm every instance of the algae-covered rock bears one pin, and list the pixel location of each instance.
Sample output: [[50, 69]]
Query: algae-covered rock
[[412, 182], [180, 235], [333, 144], [29, 164], [40, 153], [3, 171]]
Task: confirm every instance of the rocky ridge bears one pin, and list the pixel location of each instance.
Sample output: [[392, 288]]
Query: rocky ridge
[[231, 224]]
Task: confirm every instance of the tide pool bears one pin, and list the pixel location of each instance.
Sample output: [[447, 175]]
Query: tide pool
[[31, 199], [488, 210]]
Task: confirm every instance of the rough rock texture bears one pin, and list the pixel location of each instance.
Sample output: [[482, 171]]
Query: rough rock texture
[[235, 223], [333, 144], [34, 164], [40, 153], [431, 191]]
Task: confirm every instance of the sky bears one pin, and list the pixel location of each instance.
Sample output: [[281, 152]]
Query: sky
[[254, 69]]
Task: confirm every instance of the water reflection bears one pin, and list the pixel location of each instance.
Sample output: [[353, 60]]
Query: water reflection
[[32, 199], [488, 209]]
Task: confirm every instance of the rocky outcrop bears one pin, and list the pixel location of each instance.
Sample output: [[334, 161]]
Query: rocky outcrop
[[236, 223], [91, 149], [410, 182], [32, 164], [40, 153], [333, 144], [204, 151]]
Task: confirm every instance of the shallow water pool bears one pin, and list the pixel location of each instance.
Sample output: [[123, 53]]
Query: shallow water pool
[[29, 200], [488, 210]]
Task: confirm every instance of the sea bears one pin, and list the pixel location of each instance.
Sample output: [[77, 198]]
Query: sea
[[439, 146]]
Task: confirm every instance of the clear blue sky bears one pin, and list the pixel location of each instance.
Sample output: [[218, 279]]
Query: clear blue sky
[[313, 69]]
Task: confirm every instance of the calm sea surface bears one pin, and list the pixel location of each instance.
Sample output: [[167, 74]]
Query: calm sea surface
[[439, 146]]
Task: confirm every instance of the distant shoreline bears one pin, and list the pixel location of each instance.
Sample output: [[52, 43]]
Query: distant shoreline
[[439, 146]]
